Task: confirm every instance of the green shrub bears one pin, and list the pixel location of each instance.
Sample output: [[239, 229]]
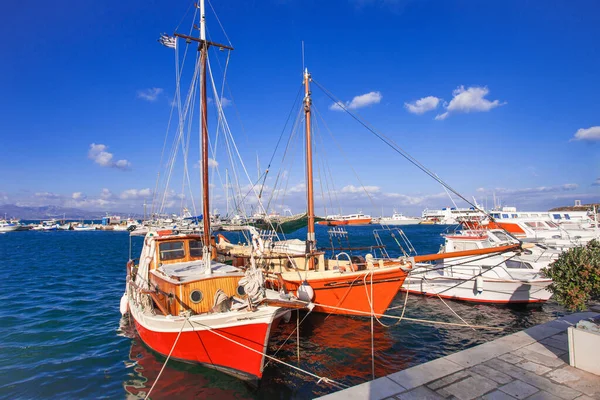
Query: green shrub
[[576, 276]]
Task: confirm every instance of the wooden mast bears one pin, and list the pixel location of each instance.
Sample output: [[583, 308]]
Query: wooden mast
[[203, 49], [310, 235], [206, 253]]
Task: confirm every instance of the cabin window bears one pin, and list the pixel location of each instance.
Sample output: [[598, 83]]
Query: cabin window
[[556, 216], [195, 248], [171, 251], [534, 215], [567, 216], [504, 215], [514, 215], [524, 215], [518, 264], [196, 296]]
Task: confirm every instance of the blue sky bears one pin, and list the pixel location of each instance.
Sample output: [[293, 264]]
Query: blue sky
[[495, 97]]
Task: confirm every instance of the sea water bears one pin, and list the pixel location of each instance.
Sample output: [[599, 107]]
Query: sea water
[[62, 335]]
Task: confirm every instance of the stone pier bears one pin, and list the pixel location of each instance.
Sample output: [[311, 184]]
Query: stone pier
[[531, 364]]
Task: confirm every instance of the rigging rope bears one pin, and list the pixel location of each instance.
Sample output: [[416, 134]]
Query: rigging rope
[[169, 356]]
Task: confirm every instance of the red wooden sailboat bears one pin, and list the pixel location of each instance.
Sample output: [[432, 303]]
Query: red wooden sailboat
[[188, 306], [343, 285]]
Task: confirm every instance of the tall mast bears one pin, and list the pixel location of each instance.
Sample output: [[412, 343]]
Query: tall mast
[[203, 49], [310, 235], [206, 253]]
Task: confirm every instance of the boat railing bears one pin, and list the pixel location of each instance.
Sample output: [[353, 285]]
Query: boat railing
[[337, 259]]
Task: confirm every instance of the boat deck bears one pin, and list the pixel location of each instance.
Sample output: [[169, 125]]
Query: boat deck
[[531, 364]]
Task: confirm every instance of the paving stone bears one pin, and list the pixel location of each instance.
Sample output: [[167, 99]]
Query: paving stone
[[535, 380], [549, 351], [491, 373], [577, 379], [534, 367], [529, 355], [421, 374], [379, 388], [421, 392], [478, 354], [510, 358], [543, 331], [584, 397], [445, 394], [470, 388], [445, 381], [519, 389], [543, 395], [561, 344], [497, 395]]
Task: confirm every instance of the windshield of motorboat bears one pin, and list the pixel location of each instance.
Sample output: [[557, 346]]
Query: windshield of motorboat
[[501, 236]]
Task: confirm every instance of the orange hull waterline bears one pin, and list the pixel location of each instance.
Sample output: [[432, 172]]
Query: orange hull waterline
[[359, 221], [353, 293]]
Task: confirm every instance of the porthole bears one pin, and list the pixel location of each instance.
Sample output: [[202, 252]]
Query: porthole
[[196, 296], [240, 291]]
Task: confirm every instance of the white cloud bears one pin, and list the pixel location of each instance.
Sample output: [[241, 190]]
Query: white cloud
[[360, 101], [360, 189], [98, 153], [225, 102], [469, 100], [423, 105], [441, 117], [592, 133], [135, 194], [105, 194], [77, 196], [46, 195], [212, 163], [596, 182], [150, 94], [122, 164]]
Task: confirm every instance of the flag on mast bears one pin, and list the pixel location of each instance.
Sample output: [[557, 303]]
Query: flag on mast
[[167, 41]]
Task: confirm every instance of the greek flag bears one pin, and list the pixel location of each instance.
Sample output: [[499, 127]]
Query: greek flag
[[167, 41]]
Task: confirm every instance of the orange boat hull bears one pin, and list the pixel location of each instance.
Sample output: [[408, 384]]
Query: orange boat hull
[[349, 294], [359, 221]]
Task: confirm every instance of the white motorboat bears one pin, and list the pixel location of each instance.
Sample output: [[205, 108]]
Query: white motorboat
[[399, 219], [6, 226], [509, 277]]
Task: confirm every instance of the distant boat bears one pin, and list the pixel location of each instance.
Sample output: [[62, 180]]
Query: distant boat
[[399, 219], [6, 226], [351, 219]]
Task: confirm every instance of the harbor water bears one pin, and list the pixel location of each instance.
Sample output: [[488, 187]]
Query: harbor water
[[63, 336]]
